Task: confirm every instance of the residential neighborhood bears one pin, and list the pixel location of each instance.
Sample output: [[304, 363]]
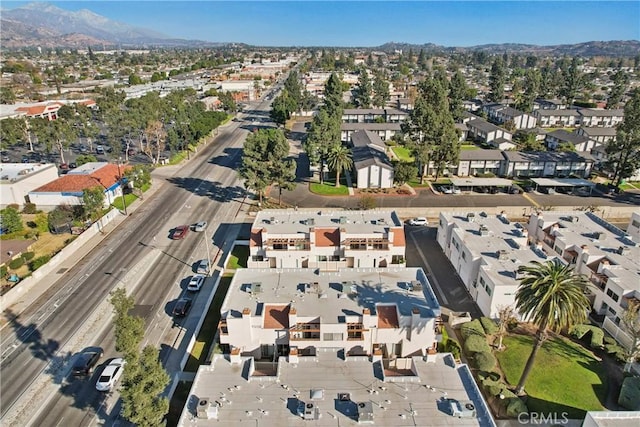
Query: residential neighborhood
[[312, 225]]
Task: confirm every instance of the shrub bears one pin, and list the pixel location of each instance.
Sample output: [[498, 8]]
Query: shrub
[[28, 256], [476, 344], [13, 206], [3, 271], [454, 348], [512, 324], [472, 328], [594, 334], [14, 264], [515, 407], [485, 360], [29, 208], [489, 325], [39, 262]]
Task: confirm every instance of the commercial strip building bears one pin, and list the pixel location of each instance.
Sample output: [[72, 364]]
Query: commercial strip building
[[18, 179], [326, 240]]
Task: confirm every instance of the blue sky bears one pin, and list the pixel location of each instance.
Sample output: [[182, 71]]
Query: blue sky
[[371, 23]]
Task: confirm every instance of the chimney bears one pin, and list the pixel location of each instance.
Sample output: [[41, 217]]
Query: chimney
[[235, 356], [246, 311], [603, 264]]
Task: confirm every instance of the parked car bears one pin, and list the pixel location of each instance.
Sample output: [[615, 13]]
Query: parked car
[[83, 149], [110, 374], [182, 307], [64, 166], [4, 157], [85, 362], [73, 165], [180, 232], [99, 149], [456, 190], [203, 267], [200, 226], [195, 284], [418, 221], [446, 190]]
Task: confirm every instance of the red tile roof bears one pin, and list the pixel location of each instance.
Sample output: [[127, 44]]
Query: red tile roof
[[387, 317], [35, 110], [276, 317], [398, 237], [104, 177], [327, 237], [256, 237]]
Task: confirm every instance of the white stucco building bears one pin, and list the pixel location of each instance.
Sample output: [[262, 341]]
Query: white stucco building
[[386, 312], [486, 252], [326, 240], [18, 179]]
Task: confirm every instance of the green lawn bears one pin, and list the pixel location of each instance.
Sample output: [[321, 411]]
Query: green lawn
[[630, 186], [565, 377], [239, 256], [129, 198], [469, 147], [402, 153], [205, 337], [329, 187]]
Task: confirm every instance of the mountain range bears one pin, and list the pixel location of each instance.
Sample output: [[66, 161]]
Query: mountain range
[[44, 25]]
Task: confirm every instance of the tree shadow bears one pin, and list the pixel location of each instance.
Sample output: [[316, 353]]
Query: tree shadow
[[213, 190], [230, 159]]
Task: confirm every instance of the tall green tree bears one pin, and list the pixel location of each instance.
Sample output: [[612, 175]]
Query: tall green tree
[[339, 160], [10, 219], [497, 80], [294, 89], [404, 172], [458, 91], [262, 152], [228, 103], [532, 83], [431, 129], [620, 82], [128, 329], [381, 90], [333, 95], [623, 153], [93, 202], [56, 134], [15, 131], [323, 134], [573, 81], [284, 175], [362, 96], [282, 107], [550, 296], [143, 385]]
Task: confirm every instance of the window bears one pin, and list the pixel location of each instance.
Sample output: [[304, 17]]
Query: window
[[558, 250], [604, 306], [322, 258], [635, 224], [464, 256], [482, 282], [612, 295], [612, 311], [332, 336], [489, 290]]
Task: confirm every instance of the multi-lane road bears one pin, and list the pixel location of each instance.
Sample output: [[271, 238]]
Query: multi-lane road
[[138, 255]]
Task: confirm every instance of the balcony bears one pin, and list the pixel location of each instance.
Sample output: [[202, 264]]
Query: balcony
[[222, 327]]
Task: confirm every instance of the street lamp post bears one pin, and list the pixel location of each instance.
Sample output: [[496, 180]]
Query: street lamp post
[[206, 244], [124, 201]]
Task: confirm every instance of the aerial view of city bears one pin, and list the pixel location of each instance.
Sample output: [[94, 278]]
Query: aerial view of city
[[320, 213]]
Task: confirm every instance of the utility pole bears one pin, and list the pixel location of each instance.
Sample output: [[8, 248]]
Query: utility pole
[[124, 202]]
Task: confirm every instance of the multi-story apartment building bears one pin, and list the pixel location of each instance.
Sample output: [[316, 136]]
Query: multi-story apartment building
[[374, 115], [589, 117], [548, 164], [385, 131], [486, 252], [367, 311], [592, 117], [557, 118], [633, 229], [502, 114], [606, 255], [326, 240]]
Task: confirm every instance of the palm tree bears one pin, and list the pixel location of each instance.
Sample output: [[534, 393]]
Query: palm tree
[[339, 159], [551, 296]]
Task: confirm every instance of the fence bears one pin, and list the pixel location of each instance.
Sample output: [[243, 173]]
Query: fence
[[618, 334]]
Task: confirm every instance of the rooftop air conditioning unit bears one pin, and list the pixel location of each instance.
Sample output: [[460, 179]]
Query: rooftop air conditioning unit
[[502, 254], [206, 409], [462, 409], [484, 231], [311, 221], [310, 411], [365, 412], [471, 217], [621, 250]]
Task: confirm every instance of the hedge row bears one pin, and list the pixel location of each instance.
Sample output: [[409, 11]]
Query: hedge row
[[630, 394], [485, 360], [509, 402], [489, 325], [39, 262], [476, 344], [472, 328], [595, 334]]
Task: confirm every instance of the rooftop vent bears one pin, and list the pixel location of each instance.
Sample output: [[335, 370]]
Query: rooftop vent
[[622, 249], [471, 217], [206, 409], [343, 220], [598, 235], [256, 288], [274, 220], [310, 411], [311, 221], [415, 285], [484, 231], [365, 412], [502, 254]]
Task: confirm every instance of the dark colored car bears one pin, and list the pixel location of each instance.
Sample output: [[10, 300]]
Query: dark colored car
[[179, 232], [73, 165], [85, 363], [182, 307]]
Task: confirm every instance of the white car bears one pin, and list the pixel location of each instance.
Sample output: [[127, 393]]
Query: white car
[[456, 190], [446, 190], [200, 226], [195, 283], [110, 374], [418, 221]]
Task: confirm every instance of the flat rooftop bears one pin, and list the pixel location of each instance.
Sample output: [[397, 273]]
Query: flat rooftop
[[338, 294], [502, 236], [292, 221], [579, 228], [563, 182], [15, 171], [419, 399], [479, 182]]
